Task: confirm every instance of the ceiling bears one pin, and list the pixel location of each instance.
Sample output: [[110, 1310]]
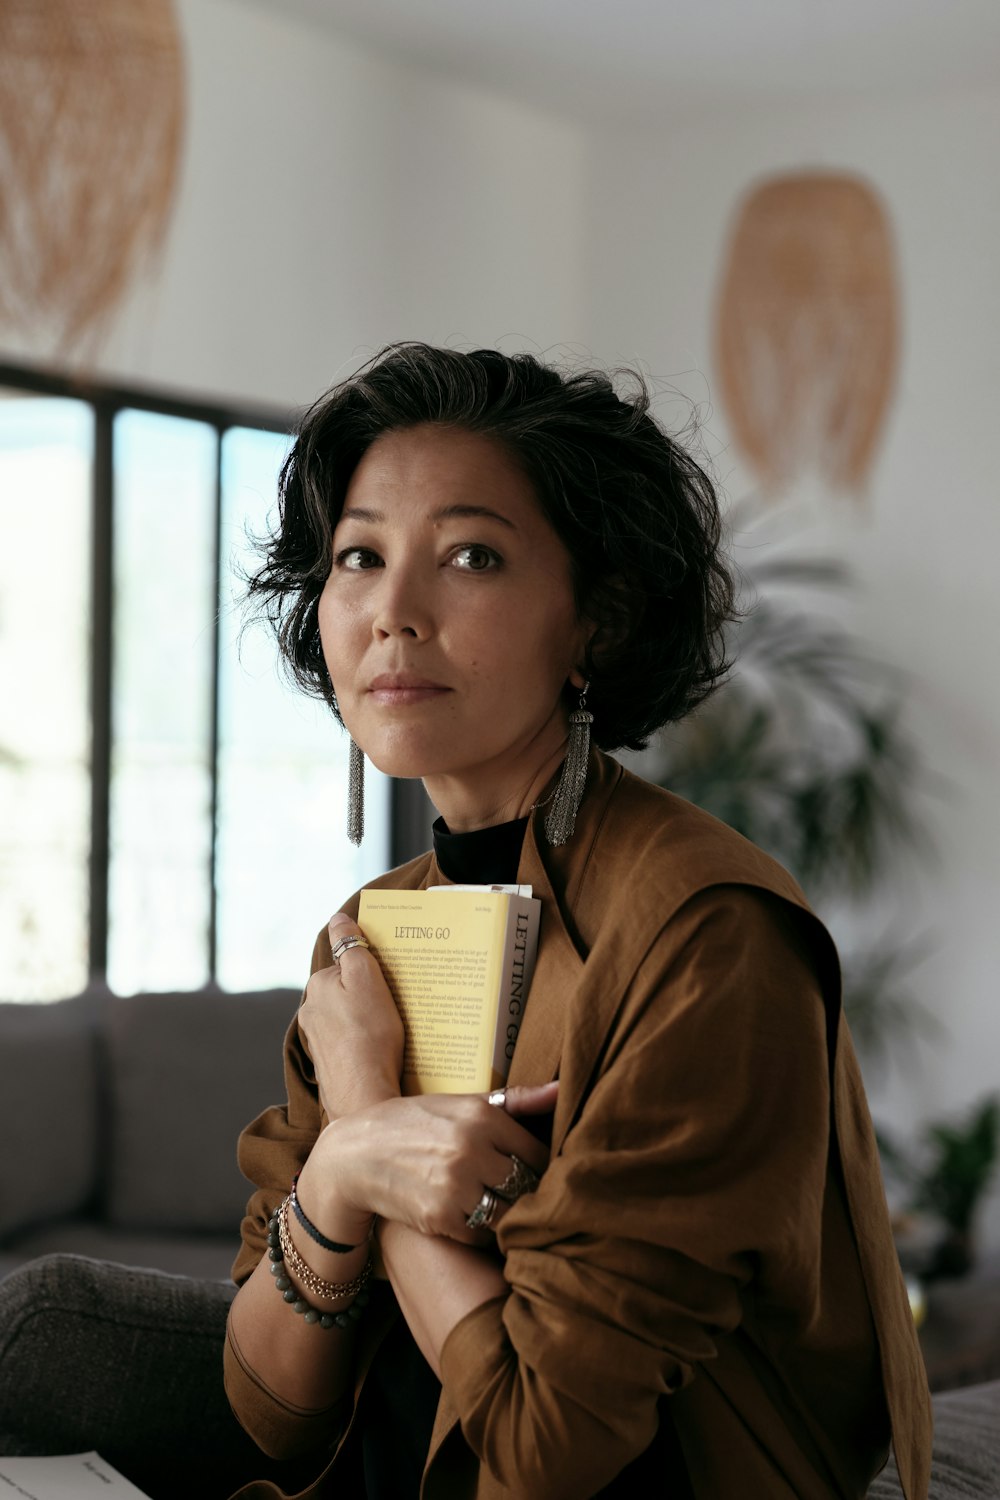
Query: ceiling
[[633, 58]]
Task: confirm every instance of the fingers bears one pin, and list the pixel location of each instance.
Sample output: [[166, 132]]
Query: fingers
[[531, 1098], [498, 1180], [351, 960], [507, 1180], [487, 1213], [511, 1177]]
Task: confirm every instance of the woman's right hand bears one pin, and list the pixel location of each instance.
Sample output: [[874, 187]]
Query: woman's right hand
[[426, 1160]]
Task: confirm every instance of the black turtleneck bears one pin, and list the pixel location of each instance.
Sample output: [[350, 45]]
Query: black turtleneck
[[484, 856]]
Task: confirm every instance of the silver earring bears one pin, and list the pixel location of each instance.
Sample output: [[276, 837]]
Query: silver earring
[[355, 795], [561, 817]]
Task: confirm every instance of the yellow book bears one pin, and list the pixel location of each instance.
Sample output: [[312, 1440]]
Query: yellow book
[[458, 961]]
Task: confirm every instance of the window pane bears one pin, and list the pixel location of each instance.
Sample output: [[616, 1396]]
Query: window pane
[[45, 460], [164, 598], [284, 860]]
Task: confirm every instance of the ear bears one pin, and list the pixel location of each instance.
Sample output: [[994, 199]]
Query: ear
[[608, 620], [588, 630]]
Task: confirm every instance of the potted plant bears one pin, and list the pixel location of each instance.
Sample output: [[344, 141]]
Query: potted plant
[[946, 1179], [804, 750]]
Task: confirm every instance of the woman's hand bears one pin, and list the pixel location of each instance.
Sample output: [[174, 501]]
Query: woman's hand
[[426, 1161], [352, 1029]]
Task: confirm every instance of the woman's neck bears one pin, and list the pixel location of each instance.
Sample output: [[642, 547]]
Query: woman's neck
[[481, 800]]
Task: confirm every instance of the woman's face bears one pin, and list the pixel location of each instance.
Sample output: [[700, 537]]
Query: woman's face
[[448, 621]]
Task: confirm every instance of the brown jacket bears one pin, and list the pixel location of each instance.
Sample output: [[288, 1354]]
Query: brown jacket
[[708, 1257]]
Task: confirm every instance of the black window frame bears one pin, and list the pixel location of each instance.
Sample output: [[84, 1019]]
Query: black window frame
[[409, 812]]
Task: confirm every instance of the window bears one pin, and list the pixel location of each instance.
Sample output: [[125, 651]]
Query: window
[[46, 449], [171, 811]]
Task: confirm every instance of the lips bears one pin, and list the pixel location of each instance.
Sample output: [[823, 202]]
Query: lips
[[404, 682], [397, 689]]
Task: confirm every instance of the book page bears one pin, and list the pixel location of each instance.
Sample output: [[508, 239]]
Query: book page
[[67, 1476], [440, 953]]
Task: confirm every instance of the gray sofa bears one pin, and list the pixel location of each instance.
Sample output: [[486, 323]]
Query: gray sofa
[[119, 1120]]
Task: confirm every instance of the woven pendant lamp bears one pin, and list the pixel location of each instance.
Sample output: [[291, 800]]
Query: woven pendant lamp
[[91, 117], [807, 328]]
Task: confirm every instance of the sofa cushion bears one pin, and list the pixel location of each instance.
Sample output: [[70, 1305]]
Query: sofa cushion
[[966, 1461], [48, 1110], [103, 1356], [186, 1073]]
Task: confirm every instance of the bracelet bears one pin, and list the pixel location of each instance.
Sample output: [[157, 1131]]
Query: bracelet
[[313, 1283], [310, 1228], [343, 1319]]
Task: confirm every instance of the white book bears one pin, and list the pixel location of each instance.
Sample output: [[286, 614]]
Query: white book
[[66, 1476]]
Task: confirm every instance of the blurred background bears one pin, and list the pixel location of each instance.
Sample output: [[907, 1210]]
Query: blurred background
[[786, 216]]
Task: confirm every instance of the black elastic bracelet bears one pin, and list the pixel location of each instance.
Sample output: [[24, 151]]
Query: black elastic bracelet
[[310, 1227]]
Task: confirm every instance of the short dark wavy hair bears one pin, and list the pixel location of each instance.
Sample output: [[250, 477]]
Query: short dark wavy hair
[[634, 510]]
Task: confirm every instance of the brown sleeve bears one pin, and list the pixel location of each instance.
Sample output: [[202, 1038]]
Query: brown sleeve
[[271, 1150], [696, 1166], [275, 1146], [279, 1429]]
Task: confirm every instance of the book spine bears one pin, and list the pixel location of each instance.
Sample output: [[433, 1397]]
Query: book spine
[[516, 969]]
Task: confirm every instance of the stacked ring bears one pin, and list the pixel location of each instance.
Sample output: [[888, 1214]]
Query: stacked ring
[[483, 1214], [344, 944]]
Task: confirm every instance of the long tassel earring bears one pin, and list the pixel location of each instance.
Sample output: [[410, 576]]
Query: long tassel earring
[[560, 819], [356, 795]]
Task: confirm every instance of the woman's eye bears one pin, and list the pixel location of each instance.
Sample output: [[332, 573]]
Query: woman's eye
[[475, 559], [357, 559]]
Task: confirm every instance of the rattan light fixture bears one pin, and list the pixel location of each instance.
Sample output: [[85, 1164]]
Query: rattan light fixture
[[91, 119], [807, 328]]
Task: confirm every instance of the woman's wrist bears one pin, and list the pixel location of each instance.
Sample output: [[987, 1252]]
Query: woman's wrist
[[333, 1280], [324, 1195], [338, 1222], [370, 1090]]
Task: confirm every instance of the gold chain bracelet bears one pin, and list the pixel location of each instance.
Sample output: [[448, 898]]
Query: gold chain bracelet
[[331, 1290]]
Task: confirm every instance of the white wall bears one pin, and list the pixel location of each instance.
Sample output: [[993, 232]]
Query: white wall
[[331, 202], [926, 544]]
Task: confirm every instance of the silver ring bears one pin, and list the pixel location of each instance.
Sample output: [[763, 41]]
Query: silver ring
[[498, 1098], [484, 1212], [344, 944], [520, 1179]]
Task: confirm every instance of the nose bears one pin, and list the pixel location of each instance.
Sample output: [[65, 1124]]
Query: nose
[[401, 607]]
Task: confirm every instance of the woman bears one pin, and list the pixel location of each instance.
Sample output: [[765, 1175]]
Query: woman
[[475, 556]]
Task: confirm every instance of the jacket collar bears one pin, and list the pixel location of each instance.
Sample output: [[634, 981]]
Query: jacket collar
[[555, 876]]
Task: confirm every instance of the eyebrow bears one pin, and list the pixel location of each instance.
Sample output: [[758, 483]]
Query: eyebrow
[[446, 513]]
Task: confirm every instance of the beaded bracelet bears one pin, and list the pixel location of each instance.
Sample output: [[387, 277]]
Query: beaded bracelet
[[310, 1228], [344, 1319]]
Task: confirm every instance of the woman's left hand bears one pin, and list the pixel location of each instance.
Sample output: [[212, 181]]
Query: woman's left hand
[[352, 1029]]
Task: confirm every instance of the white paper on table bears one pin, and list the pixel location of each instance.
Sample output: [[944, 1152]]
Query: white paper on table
[[66, 1476]]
